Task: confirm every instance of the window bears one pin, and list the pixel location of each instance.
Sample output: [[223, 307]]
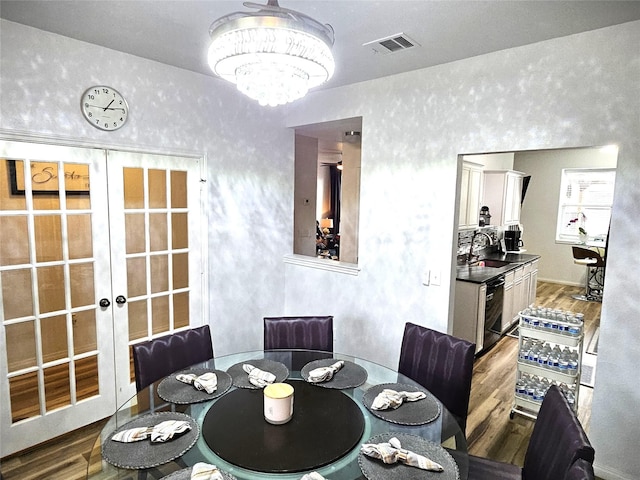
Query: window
[[584, 209]]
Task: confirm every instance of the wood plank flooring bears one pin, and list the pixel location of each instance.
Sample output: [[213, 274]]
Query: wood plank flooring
[[490, 431]]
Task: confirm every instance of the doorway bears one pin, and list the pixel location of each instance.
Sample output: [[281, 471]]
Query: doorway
[[99, 250]]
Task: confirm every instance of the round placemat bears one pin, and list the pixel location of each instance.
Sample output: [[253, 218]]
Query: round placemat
[[185, 474], [409, 413], [351, 375], [173, 390], [144, 454], [375, 469], [241, 378]]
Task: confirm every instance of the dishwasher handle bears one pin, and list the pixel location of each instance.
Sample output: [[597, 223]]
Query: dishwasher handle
[[495, 284]]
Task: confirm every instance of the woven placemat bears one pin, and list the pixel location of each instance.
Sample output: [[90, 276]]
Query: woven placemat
[[173, 390], [185, 474], [241, 378], [409, 413], [374, 469], [351, 375], [144, 454]]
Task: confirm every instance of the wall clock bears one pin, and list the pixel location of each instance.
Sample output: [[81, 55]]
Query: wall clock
[[104, 107]]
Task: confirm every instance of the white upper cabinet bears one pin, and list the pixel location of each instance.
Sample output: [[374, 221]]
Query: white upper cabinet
[[502, 193], [470, 195]]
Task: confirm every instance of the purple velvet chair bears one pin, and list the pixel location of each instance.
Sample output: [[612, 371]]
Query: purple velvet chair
[[309, 333], [580, 470], [441, 363], [157, 358], [557, 441]]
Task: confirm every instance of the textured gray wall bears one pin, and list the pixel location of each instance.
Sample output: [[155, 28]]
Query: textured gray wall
[[249, 156], [580, 90]]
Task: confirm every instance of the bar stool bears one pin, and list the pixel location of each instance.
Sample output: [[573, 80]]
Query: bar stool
[[593, 261]]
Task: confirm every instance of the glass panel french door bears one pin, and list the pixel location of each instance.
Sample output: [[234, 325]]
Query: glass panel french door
[[56, 344], [156, 251], [98, 250]]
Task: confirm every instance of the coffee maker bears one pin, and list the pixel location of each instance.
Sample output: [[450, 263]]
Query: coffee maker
[[512, 240]]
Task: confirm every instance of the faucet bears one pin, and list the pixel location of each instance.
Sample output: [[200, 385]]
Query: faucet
[[473, 238]]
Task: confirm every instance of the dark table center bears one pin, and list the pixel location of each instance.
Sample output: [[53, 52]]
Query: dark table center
[[326, 425]]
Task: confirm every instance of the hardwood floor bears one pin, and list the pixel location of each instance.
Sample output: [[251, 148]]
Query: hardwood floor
[[490, 431]]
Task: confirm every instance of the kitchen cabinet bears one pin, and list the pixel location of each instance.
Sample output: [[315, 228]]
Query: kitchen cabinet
[[507, 306], [470, 195], [502, 192], [533, 288], [468, 321], [518, 292]]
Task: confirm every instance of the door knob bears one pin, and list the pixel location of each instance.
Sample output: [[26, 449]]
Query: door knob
[[104, 302], [120, 300]]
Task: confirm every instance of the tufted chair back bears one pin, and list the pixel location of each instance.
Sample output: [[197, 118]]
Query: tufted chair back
[[580, 470], [557, 440], [441, 363], [157, 358], [310, 333]]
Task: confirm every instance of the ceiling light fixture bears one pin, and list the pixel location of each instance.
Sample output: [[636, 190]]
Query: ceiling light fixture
[[274, 55]]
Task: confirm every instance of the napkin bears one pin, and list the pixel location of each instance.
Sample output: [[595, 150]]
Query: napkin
[[207, 381], [391, 399], [392, 452], [258, 377], [204, 471], [312, 476], [324, 374], [159, 433]]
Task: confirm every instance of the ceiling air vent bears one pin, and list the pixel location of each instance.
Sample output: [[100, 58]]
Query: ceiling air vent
[[392, 43]]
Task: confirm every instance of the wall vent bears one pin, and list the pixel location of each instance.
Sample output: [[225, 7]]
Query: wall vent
[[392, 43]]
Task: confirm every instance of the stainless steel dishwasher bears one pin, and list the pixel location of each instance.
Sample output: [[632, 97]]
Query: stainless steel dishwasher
[[493, 311]]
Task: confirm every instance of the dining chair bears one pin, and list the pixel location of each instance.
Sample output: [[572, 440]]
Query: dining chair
[[556, 443], [580, 470], [441, 363], [309, 333], [157, 358]]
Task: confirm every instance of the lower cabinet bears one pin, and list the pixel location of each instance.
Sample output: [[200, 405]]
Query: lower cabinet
[[508, 305], [468, 321]]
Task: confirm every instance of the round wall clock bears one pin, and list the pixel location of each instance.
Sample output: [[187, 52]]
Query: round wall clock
[[104, 107]]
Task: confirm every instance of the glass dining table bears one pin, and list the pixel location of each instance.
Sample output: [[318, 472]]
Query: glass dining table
[[331, 421]]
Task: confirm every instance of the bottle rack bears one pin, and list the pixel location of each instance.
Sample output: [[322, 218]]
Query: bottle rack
[[535, 372]]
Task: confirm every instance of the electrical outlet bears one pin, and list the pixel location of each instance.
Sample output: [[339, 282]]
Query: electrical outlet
[[435, 277], [425, 278]]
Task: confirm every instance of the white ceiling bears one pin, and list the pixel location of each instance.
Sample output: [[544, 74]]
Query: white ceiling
[[175, 32]]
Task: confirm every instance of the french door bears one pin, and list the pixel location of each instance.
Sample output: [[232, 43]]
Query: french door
[[99, 249]]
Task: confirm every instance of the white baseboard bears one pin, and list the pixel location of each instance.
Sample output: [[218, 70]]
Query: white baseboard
[[561, 282], [608, 473]]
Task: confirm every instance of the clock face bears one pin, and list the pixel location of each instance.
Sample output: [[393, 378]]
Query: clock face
[[104, 108]]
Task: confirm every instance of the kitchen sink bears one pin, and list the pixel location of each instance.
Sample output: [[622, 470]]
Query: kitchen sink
[[489, 263]]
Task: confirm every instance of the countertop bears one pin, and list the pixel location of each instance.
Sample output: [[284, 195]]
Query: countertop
[[484, 274]]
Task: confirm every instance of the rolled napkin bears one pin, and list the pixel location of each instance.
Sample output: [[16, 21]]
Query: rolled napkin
[[159, 433], [391, 399], [207, 381], [324, 374], [205, 471], [258, 377], [312, 476], [392, 452]]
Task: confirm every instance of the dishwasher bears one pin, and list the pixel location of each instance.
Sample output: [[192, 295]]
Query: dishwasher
[[493, 311]]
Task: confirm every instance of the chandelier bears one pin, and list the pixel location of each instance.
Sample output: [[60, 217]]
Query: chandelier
[[274, 55]]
